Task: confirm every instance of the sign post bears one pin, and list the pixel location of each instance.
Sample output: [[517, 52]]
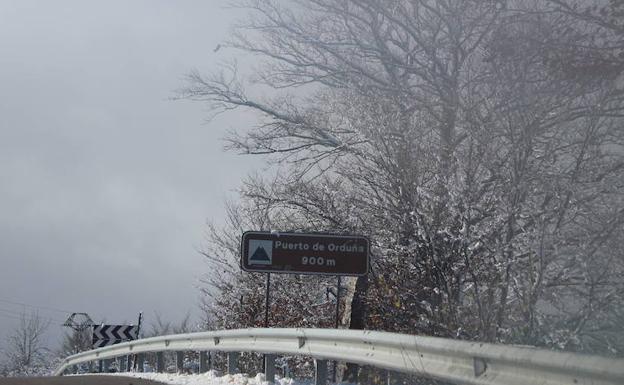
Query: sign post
[[135, 363], [338, 288], [266, 302]]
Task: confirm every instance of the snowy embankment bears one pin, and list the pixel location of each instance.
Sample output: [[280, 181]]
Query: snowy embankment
[[211, 378]]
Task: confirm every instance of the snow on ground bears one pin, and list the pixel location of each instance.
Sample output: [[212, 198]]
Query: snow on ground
[[211, 378]]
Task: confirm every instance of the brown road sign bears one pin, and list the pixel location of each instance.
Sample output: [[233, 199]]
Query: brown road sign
[[325, 254]]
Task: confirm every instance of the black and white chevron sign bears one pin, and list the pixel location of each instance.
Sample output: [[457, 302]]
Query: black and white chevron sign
[[104, 335]]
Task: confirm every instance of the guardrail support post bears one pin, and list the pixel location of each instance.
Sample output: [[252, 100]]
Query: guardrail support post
[[269, 367], [204, 361], [160, 362], [232, 362], [141, 362], [121, 367], [100, 366], [107, 364], [320, 373], [129, 363], [180, 361]]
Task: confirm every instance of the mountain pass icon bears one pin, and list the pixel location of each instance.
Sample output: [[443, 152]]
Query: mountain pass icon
[[260, 252]]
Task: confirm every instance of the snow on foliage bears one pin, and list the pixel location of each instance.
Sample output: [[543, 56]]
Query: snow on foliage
[[478, 143], [45, 366]]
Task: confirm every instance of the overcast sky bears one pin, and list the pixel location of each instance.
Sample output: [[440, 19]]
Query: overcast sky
[[105, 183]]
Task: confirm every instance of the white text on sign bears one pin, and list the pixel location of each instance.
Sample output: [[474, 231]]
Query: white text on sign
[[279, 245]]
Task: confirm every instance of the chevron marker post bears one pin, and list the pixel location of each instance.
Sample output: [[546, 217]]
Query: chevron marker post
[[105, 335]]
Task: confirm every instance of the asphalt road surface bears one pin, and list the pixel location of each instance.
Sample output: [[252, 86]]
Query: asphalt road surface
[[77, 380]]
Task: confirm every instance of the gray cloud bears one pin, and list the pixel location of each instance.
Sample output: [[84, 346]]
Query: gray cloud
[[105, 184]]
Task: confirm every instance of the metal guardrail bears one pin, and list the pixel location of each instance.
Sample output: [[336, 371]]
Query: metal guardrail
[[460, 362]]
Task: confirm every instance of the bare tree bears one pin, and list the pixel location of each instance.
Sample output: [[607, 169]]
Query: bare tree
[[26, 345], [77, 341], [466, 137], [162, 327]]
